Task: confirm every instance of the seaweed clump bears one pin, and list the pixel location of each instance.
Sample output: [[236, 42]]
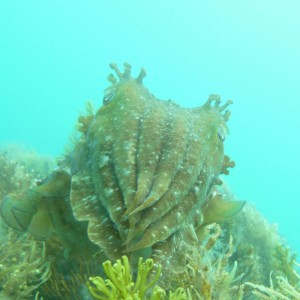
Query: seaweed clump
[[284, 290], [259, 253], [120, 284], [217, 268], [23, 263], [23, 266], [21, 168], [208, 272], [68, 275]]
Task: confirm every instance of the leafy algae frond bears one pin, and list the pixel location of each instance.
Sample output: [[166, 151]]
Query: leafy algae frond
[[120, 285]]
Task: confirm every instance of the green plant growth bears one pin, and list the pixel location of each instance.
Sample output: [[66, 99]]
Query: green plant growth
[[120, 284], [282, 289]]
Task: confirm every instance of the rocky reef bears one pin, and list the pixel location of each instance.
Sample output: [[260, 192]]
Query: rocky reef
[[141, 185]]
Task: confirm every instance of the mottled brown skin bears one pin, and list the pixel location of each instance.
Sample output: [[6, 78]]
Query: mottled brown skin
[[152, 162], [142, 171]]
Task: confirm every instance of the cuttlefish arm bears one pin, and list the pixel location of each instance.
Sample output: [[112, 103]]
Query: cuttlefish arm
[[33, 212], [215, 209], [11, 208]]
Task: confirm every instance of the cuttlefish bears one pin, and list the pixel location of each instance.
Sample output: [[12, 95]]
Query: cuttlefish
[[141, 171]]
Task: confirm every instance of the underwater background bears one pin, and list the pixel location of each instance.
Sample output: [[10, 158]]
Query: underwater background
[[54, 56]]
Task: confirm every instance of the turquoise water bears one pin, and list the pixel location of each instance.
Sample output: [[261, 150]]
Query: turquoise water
[[54, 56]]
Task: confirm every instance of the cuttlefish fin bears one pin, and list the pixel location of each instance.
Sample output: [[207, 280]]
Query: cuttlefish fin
[[31, 213], [215, 209]]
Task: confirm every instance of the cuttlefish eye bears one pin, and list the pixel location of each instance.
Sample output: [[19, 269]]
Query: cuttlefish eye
[[108, 98], [222, 134]]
